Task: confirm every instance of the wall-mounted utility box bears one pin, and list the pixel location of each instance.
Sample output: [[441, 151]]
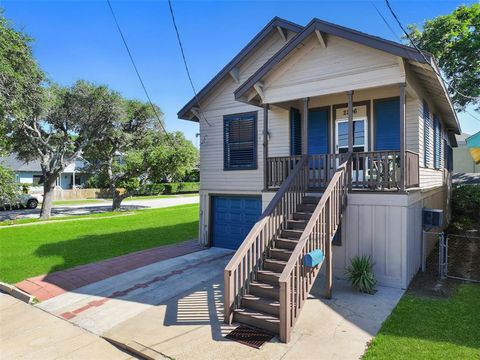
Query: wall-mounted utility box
[[432, 218]]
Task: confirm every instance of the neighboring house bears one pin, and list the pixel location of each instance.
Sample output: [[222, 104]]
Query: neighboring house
[[31, 172], [463, 161], [321, 110]]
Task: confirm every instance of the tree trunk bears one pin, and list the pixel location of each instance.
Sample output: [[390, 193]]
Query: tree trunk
[[48, 187], [117, 201]]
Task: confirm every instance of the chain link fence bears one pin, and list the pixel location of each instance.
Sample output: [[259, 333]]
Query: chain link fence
[[459, 257]]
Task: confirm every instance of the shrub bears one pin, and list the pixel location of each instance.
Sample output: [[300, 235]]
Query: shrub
[[151, 189], [168, 188], [360, 274], [178, 188], [466, 203]]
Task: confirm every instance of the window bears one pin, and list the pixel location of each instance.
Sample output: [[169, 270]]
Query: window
[[426, 134], [437, 142], [240, 141]]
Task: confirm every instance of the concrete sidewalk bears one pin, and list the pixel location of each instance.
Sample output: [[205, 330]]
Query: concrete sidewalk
[[30, 333], [47, 286]]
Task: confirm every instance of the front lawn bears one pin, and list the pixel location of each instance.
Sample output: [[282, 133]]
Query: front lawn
[[26, 251], [426, 328], [153, 197]]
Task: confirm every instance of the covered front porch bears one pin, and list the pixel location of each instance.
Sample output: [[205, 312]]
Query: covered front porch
[[366, 126]]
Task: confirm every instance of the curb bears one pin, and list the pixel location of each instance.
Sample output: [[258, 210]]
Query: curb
[[17, 293]]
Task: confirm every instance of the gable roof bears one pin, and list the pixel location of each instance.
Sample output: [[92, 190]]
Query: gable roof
[[11, 161], [271, 26], [375, 42], [426, 65]]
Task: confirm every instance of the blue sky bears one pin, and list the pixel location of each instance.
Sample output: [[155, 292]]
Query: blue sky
[[78, 40]]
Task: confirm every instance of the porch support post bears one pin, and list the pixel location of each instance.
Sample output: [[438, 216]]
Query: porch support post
[[265, 146], [305, 126], [350, 120], [402, 135]]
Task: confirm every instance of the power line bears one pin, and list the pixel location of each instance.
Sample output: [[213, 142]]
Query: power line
[[138, 73], [185, 61], [473, 116], [425, 58]]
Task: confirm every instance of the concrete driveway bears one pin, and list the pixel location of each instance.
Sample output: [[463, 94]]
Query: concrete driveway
[[100, 207], [174, 309]]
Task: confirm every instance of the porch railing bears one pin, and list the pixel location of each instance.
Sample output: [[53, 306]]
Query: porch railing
[[250, 254], [296, 280], [376, 170], [321, 167], [373, 170]]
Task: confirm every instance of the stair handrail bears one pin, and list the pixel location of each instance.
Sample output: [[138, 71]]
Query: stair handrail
[[249, 255], [322, 225]]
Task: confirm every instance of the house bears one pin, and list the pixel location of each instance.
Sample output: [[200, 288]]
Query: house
[[463, 161], [31, 172], [473, 144], [314, 134]]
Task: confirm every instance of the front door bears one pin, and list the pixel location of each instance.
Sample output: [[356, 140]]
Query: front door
[[360, 137]]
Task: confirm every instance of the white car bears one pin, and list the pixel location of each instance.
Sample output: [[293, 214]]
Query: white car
[[21, 201]]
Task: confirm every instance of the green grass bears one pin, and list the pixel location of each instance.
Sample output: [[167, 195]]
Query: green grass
[[61, 218], [423, 328], [26, 251], [152, 197]]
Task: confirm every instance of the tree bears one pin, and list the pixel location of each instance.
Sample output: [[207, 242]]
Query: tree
[[173, 162], [20, 76], [20, 90], [7, 186], [122, 157], [61, 127], [454, 40]]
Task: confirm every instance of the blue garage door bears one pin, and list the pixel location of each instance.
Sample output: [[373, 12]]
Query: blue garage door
[[232, 219]]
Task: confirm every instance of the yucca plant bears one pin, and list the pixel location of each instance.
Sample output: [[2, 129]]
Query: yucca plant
[[360, 274]]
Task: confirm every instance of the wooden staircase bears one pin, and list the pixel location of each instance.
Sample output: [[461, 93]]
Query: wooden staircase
[[260, 307], [266, 283]]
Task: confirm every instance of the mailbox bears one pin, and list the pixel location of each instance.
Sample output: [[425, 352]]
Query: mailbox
[[313, 258]]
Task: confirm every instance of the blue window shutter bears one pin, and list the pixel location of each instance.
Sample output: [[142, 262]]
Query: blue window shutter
[[318, 131], [437, 135], [240, 141], [295, 132], [426, 133], [387, 124]]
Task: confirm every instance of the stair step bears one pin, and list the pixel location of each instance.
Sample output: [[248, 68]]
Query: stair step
[[291, 234], [264, 290], [306, 207], [302, 215], [258, 303], [257, 319], [280, 254], [296, 224], [283, 243], [274, 265], [310, 200], [268, 276]]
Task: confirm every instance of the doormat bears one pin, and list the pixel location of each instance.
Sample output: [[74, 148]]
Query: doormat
[[249, 336]]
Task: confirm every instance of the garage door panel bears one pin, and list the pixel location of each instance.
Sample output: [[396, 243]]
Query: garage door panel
[[233, 217]]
